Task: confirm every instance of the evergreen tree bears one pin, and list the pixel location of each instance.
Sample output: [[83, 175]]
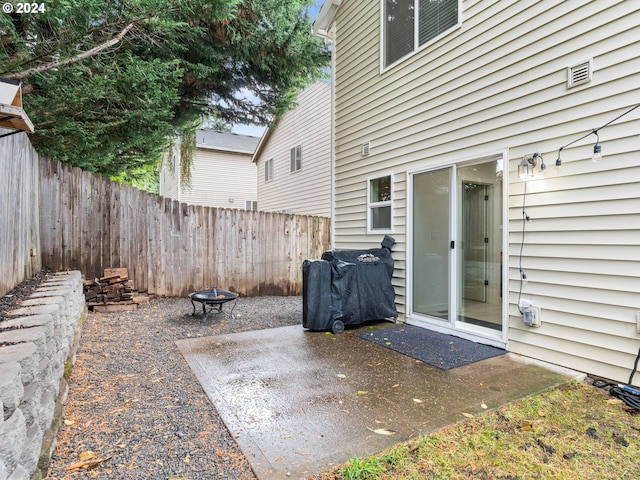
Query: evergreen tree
[[108, 83]]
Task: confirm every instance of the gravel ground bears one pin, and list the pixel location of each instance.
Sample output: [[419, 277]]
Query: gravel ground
[[135, 410], [21, 292]]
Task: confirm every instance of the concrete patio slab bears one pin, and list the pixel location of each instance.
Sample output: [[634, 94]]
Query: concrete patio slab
[[300, 402]]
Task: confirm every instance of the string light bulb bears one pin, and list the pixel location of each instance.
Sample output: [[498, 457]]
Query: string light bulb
[[559, 162], [543, 166], [597, 149]]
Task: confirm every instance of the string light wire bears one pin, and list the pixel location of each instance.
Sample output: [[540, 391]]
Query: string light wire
[[592, 132], [525, 219]]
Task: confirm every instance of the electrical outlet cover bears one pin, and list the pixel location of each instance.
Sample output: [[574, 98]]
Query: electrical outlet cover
[[531, 316]]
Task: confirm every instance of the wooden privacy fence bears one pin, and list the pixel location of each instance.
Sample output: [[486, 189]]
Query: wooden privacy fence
[[90, 223], [19, 229]]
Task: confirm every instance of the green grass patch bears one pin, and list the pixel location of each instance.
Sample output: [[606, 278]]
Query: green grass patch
[[576, 431]]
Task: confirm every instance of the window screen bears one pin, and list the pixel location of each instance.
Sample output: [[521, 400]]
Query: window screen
[[399, 29], [436, 16], [296, 158], [402, 18], [268, 170]]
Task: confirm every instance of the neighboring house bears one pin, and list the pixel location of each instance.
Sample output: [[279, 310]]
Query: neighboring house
[[222, 174], [294, 159], [430, 133]]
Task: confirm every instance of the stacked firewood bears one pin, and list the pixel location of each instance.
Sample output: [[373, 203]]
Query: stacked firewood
[[112, 292]]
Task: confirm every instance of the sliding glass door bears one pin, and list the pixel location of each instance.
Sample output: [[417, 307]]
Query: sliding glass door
[[457, 246], [431, 238]]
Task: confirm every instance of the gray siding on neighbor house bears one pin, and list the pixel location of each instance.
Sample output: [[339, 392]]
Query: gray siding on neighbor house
[[221, 179], [222, 174], [307, 191], [170, 174], [497, 85]]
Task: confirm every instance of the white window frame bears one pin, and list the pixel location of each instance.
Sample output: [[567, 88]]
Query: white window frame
[[373, 205], [416, 47], [268, 170], [296, 159]]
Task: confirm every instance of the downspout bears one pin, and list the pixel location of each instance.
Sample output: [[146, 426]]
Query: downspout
[[325, 28], [332, 221]]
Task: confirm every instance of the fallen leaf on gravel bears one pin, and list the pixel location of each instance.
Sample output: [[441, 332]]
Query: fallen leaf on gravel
[[87, 464], [361, 393], [87, 455], [614, 401], [381, 431], [417, 400], [341, 375], [468, 415], [69, 422], [526, 426], [484, 406]]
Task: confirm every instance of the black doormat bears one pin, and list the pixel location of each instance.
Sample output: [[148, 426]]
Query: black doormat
[[437, 349]]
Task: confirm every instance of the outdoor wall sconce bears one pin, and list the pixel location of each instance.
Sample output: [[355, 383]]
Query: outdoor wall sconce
[[529, 164]]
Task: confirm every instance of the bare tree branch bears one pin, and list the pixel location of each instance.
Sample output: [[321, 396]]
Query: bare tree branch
[[76, 58]]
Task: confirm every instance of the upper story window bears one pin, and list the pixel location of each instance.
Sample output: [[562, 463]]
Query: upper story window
[[268, 170], [296, 158], [410, 24]]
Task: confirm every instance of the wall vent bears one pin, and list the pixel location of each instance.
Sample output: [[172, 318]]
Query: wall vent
[[366, 147], [579, 74]]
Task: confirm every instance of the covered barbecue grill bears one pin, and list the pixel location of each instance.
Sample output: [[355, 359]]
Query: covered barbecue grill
[[348, 287]]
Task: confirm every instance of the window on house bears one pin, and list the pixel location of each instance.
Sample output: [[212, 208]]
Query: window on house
[[410, 24], [268, 170], [296, 158], [251, 205], [379, 204]]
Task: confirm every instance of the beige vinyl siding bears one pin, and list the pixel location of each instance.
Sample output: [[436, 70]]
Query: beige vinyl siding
[[499, 83], [169, 175], [218, 176], [307, 191]]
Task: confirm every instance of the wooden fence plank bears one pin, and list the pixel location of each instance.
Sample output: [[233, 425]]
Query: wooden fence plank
[[20, 240]]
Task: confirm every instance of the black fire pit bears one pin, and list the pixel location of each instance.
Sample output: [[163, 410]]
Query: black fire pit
[[214, 296]]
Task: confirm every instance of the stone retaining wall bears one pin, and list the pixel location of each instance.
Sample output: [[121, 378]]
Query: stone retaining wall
[[36, 344]]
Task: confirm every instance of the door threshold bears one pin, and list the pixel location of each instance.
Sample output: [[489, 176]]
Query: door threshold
[[471, 332]]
